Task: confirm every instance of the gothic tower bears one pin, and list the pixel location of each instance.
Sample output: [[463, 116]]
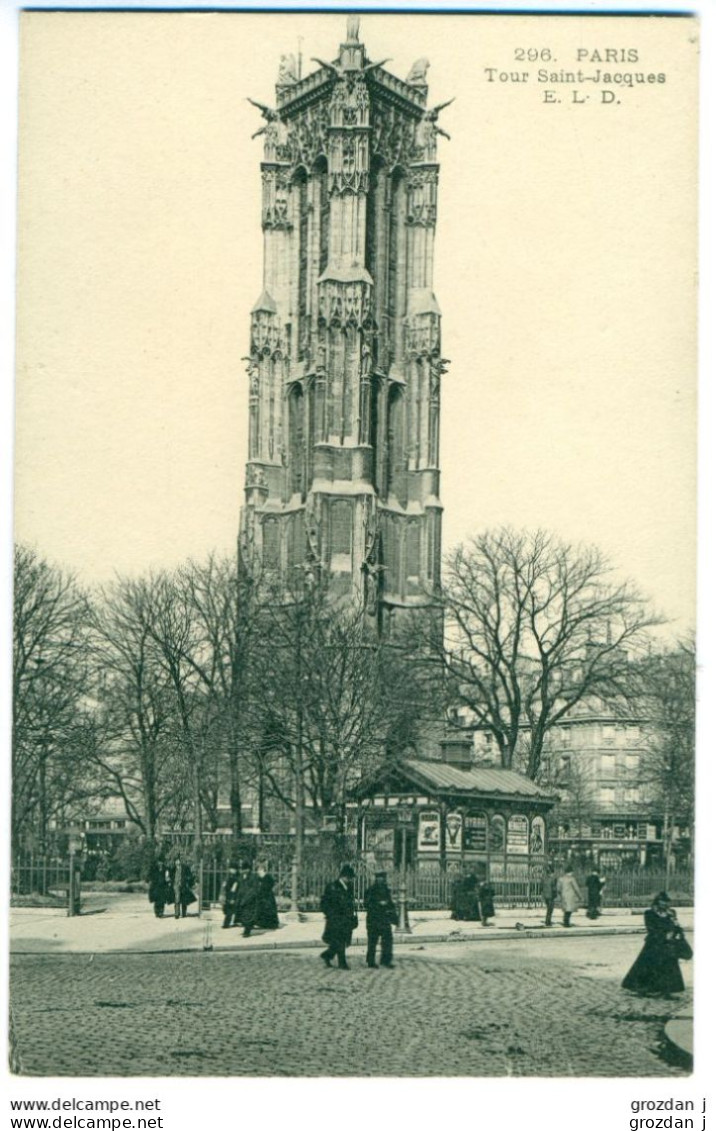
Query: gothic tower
[[345, 361]]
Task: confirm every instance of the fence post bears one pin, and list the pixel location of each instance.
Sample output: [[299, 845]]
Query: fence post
[[73, 887]]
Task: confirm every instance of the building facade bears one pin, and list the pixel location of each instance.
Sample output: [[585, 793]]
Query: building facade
[[345, 361], [609, 813]]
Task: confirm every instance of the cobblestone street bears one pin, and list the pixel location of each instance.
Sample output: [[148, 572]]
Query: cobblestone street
[[546, 1007]]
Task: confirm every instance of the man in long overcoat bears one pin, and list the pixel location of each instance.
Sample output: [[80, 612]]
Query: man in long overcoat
[[183, 884], [381, 917], [569, 894], [247, 899], [338, 906]]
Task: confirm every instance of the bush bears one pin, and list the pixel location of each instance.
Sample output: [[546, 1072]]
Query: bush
[[130, 860]]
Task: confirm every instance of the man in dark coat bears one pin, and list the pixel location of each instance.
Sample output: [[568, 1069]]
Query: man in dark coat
[[338, 906], [183, 883], [381, 917], [230, 896], [247, 899], [594, 884]]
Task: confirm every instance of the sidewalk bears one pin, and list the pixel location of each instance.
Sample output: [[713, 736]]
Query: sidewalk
[[125, 924]]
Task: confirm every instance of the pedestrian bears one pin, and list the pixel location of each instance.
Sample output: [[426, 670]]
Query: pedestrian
[[569, 895], [183, 887], [549, 893], [381, 917], [486, 896], [465, 902], [338, 906], [230, 897], [266, 911], [595, 884], [160, 887], [656, 970], [247, 899]]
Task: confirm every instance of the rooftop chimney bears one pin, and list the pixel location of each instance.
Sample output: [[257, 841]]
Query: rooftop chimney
[[457, 752]]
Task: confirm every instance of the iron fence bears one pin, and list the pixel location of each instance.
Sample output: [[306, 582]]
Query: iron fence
[[426, 888], [432, 890], [40, 875]]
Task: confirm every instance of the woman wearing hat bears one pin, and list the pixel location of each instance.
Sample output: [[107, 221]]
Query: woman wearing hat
[[656, 970]]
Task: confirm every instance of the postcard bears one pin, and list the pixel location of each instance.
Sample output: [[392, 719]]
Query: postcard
[[355, 557]]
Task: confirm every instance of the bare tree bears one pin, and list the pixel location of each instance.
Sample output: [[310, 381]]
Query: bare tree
[[133, 741], [50, 681], [532, 627], [223, 608], [665, 694], [328, 696]]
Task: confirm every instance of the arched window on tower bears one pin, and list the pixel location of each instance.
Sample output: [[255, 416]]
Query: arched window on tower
[[320, 170], [395, 459], [396, 262], [296, 442], [301, 181]]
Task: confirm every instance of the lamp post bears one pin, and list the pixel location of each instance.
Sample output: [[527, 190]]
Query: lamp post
[[76, 840], [294, 914], [405, 818]]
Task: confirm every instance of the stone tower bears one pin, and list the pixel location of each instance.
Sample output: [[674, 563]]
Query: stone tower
[[345, 360]]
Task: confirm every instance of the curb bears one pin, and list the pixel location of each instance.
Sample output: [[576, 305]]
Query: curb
[[361, 940], [678, 1042]]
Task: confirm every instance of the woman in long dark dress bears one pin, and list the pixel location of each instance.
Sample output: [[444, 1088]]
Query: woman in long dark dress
[[266, 910], [465, 903], [487, 902], [656, 970], [160, 888]]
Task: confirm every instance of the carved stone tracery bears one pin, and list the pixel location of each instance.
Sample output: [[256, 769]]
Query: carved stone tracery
[[392, 135], [422, 335], [307, 133], [422, 196], [276, 187], [344, 304], [265, 334]]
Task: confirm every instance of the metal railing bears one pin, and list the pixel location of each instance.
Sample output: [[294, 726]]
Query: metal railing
[[426, 888], [40, 875]]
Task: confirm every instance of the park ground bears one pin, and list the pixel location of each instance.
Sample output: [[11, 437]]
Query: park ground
[[505, 1002]]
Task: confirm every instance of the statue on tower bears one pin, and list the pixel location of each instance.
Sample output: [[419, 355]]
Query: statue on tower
[[417, 76], [352, 29], [287, 71]]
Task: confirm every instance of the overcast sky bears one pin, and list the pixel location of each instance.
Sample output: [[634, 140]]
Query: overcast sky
[[565, 270]]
